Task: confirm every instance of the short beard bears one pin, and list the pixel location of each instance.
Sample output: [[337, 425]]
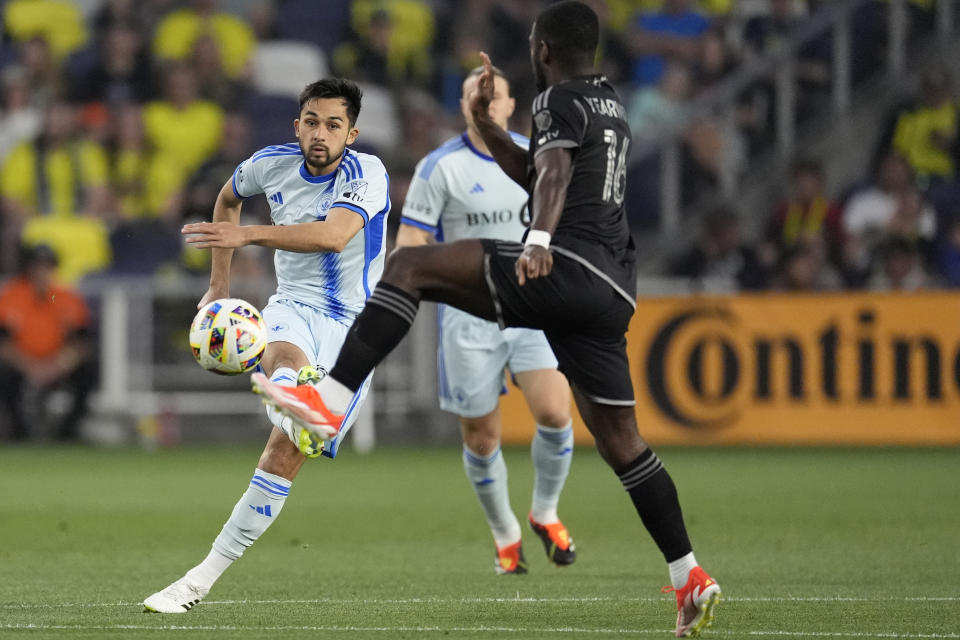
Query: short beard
[[320, 167]]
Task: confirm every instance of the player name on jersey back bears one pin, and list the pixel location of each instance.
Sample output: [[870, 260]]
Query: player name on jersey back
[[585, 116]]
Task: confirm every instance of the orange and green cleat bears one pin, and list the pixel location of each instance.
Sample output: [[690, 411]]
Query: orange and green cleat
[[509, 560], [556, 539], [696, 602], [302, 404]]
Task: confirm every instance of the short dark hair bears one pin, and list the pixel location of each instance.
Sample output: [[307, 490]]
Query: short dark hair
[[335, 88], [572, 30]]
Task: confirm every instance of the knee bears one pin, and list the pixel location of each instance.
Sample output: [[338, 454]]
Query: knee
[[618, 449], [555, 415], [480, 436], [401, 265]]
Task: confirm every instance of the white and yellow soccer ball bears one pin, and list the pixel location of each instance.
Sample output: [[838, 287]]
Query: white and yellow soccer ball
[[228, 336]]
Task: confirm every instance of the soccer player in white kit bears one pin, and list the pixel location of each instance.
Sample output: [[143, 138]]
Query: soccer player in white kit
[[329, 206], [458, 192]]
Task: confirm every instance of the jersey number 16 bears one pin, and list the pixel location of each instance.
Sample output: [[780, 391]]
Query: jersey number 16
[[615, 178]]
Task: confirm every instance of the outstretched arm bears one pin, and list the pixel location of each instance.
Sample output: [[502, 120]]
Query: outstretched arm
[[554, 169], [511, 157], [226, 210], [331, 234], [223, 235]]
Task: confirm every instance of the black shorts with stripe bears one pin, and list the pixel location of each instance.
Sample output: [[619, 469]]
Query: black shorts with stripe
[[583, 316]]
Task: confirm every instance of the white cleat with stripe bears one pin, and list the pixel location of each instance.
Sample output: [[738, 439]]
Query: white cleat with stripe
[[179, 597]]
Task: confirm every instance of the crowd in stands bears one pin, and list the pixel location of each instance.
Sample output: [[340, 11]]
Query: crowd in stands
[[121, 119]]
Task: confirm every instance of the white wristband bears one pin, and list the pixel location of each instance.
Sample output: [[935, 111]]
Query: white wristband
[[538, 237]]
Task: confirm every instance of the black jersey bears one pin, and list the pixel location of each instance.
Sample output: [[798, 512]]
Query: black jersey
[[585, 115]]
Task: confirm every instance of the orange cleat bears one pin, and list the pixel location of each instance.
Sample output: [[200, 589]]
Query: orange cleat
[[696, 602], [510, 560], [556, 539], [301, 404]]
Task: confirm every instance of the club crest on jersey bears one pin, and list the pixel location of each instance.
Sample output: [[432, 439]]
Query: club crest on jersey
[[323, 205], [543, 120]]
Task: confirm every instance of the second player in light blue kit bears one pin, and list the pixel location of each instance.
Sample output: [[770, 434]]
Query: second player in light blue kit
[[458, 192], [328, 205]]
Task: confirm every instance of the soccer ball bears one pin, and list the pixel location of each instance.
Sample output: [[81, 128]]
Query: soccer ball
[[228, 336]]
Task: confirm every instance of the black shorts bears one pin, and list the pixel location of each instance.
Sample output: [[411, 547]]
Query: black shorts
[[584, 318]]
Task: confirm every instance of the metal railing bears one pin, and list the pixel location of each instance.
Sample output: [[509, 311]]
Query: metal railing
[[720, 101], [137, 382]]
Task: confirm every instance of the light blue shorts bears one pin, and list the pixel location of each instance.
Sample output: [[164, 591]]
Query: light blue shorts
[[320, 338], [472, 356]]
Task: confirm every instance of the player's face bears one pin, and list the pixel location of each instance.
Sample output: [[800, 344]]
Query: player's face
[[501, 107], [323, 130], [536, 59]]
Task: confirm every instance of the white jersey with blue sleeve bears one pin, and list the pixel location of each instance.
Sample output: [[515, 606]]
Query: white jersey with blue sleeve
[[336, 283], [460, 192]]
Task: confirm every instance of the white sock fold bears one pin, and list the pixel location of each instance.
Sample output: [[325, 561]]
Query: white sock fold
[[210, 570], [552, 452], [488, 476], [335, 395], [288, 378], [680, 570]]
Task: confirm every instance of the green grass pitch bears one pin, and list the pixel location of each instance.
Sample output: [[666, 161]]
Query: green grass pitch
[[806, 543]]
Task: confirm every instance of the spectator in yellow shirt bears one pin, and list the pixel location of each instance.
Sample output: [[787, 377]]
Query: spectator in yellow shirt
[[926, 134], [183, 131], [55, 174], [178, 32], [57, 21]]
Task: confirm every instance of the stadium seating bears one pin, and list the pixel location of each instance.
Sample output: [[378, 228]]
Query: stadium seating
[[283, 67]]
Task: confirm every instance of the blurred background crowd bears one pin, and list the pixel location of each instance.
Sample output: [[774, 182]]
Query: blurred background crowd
[[121, 119]]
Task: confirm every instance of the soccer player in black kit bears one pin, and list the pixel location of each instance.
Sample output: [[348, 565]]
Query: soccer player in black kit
[[574, 278]]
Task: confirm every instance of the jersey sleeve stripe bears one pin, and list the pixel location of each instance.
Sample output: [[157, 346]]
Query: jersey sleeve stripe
[[418, 224], [357, 167], [347, 170], [437, 154], [293, 146], [274, 154], [233, 183], [562, 144], [352, 207]]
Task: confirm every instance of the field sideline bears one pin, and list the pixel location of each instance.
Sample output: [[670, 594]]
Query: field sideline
[[806, 543]]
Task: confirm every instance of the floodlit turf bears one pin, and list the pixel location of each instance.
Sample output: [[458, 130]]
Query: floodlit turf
[[805, 543]]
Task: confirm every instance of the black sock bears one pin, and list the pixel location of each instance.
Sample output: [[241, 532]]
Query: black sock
[[655, 497], [380, 327]]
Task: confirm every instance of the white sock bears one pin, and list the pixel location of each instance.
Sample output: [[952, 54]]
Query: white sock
[[335, 395], [257, 509], [680, 570], [210, 570], [488, 476], [287, 377], [552, 453]]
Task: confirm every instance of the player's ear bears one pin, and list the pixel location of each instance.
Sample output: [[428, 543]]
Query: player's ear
[[352, 135], [296, 127], [544, 52]]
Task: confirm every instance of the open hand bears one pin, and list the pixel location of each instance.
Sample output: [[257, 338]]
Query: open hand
[[209, 235], [480, 98]]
